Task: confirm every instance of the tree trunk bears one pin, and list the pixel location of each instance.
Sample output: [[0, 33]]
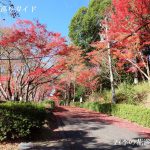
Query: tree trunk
[[3, 92], [9, 80], [65, 96], [27, 92], [136, 81], [110, 66], [74, 96], [111, 78]]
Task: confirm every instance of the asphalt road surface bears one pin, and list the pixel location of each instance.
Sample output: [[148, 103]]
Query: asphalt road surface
[[80, 129]]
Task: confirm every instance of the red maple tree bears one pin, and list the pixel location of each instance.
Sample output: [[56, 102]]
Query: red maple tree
[[29, 52], [129, 29]]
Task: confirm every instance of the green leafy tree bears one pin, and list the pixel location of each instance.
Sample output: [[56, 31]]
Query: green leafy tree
[[85, 25], [76, 32]]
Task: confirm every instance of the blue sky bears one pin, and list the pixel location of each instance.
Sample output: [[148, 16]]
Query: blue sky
[[56, 14]]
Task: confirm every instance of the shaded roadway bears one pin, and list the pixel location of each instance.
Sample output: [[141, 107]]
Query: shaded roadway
[[80, 129]]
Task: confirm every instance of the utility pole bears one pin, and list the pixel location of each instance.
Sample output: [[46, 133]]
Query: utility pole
[[110, 63]]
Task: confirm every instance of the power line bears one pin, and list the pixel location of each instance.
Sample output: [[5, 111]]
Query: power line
[[103, 49], [23, 58]]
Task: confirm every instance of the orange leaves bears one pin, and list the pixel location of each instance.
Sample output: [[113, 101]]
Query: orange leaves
[[127, 27], [146, 43], [132, 69], [36, 72], [22, 22], [36, 51], [128, 55], [116, 52], [100, 45], [87, 78], [74, 57], [33, 40], [141, 64], [27, 52], [72, 65], [122, 17], [129, 15], [75, 72], [63, 51], [97, 55], [3, 78]]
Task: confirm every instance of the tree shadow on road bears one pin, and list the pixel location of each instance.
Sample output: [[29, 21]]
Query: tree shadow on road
[[78, 140]]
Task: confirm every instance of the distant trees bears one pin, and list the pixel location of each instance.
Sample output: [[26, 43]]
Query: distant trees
[[75, 75]]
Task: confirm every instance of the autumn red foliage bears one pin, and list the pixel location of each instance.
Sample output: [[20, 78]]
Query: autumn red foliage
[[129, 29], [29, 52]]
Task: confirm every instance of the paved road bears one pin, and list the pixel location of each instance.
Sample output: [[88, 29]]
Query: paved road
[[80, 129]]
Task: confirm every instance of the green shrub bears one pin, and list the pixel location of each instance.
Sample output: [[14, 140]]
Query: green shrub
[[97, 106], [106, 96], [76, 104], [129, 94], [51, 103], [142, 87], [95, 96], [125, 94], [140, 115], [80, 91], [18, 120], [142, 91], [62, 103]]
